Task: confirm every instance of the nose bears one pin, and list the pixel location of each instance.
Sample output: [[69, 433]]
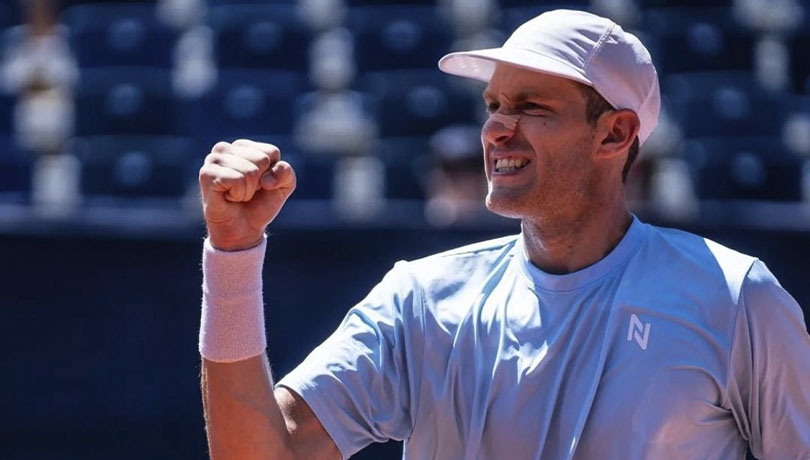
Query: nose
[[499, 128]]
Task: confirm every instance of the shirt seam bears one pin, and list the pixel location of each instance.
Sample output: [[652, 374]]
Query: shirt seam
[[473, 252], [418, 291], [740, 306]]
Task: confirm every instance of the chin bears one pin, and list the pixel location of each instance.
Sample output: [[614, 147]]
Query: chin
[[509, 205]]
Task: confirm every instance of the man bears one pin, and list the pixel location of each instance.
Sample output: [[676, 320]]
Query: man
[[589, 335]]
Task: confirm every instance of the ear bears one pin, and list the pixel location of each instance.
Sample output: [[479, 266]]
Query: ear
[[618, 130]]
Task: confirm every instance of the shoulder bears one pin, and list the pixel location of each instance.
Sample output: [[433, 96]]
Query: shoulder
[[480, 249], [698, 260], [444, 272], [763, 297], [700, 248], [452, 269], [480, 254]]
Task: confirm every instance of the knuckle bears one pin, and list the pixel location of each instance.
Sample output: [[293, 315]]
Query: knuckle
[[263, 161], [252, 172], [213, 158], [221, 147], [242, 142], [207, 176]]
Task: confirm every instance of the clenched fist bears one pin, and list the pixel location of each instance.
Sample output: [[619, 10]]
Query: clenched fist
[[243, 185]]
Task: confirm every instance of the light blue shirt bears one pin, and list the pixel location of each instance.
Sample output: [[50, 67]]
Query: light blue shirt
[[670, 347]]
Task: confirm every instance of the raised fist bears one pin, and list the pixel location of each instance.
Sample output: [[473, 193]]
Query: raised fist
[[244, 184]]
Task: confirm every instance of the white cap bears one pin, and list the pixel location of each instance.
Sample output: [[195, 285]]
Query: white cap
[[580, 46]]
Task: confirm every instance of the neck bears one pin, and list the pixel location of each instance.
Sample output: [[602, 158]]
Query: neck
[[565, 244]]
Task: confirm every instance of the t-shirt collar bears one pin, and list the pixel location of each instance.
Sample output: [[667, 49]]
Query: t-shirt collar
[[628, 245]]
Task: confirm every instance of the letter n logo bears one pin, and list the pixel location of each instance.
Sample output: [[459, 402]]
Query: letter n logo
[[638, 331]]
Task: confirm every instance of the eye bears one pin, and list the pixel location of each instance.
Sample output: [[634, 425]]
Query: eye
[[531, 108], [492, 107]]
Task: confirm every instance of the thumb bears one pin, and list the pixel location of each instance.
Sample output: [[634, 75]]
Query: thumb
[[279, 176]]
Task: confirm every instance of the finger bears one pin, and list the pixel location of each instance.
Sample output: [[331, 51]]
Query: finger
[[261, 146], [221, 147], [280, 176], [264, 159], [251, 172], [228, 182]]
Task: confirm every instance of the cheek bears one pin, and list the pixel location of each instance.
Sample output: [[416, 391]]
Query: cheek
[[559, 150]]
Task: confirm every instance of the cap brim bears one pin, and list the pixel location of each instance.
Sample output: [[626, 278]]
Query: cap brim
[[480, 64]]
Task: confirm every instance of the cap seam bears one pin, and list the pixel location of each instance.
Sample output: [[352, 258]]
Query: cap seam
[[592, 56], [597, 47], [643, 106]]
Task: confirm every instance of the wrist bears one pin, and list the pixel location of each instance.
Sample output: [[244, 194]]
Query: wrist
[[232, 320], [235, 244]]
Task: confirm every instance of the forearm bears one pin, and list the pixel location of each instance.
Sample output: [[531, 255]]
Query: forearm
[[243, 419], [242, 416], [243, 185]]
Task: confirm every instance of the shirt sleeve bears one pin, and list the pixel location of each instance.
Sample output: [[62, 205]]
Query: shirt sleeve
[[362, 381], [770, 369]]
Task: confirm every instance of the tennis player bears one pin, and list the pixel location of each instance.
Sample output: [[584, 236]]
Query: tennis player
[[590, 335]]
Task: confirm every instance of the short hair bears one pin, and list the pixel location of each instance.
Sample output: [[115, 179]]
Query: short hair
[[595, 106]]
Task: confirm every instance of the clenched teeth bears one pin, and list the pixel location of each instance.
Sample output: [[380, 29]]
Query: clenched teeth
[[510, 164]]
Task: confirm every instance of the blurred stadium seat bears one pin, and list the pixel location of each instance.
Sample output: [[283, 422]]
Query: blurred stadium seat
[[67, 4], [9, 14], [112, 34], [724, 103], [15, 170], [570, 4], [399, 37], [407, 164], [134, 166], [362, 3], [7, 103], [683, 3], [249, 2], [245, 103], [744, 168], [417, 103], [122, 100], [266, 36], [516, 13], [800, 58], [697, 39]]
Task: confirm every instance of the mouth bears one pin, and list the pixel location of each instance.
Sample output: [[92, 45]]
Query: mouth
[[509, 165]]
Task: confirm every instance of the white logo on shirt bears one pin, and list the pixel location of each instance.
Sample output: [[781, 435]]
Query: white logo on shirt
[[635, 331]]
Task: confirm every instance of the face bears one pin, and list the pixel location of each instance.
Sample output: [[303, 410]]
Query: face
[[545, 164]]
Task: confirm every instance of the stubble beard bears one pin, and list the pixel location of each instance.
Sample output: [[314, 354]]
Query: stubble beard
[[557, 199], [513, 204]]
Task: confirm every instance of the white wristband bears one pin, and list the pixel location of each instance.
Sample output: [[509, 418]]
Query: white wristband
[[232, 323]]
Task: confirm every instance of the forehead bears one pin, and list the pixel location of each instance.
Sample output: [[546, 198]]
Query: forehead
[[515, 81]]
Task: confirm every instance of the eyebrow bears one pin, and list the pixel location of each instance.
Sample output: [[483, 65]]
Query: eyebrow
[[521, 96]]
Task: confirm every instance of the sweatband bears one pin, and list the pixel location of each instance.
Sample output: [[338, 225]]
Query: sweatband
[[232, 323]]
